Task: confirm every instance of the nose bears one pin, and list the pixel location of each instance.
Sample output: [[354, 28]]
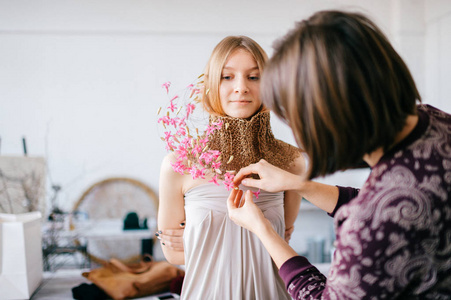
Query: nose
[[241, 86]]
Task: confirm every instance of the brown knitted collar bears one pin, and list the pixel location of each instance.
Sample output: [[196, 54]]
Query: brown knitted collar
[[246, 141]]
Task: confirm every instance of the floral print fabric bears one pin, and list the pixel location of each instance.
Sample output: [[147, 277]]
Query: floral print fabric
[[394, 235]]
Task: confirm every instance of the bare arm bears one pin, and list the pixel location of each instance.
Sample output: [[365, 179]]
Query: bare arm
[[292, 199], [278, 248], [171, 210], [321, 195], [273, 179], [292, 203]]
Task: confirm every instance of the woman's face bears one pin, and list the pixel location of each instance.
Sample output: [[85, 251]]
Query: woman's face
[[240, 85]]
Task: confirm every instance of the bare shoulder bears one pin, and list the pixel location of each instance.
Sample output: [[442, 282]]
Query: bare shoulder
[[167, 173], [184, 182], [168, 160]]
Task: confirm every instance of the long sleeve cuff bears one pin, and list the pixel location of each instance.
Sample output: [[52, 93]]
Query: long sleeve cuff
[[345, 194], [299, 275], [292, 267]]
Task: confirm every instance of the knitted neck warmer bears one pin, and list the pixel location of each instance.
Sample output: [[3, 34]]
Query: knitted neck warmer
[[248, 141]]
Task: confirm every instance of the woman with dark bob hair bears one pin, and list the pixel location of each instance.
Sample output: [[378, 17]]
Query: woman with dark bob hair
[[347, 95]]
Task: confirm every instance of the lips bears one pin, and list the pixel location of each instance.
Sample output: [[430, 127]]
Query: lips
[[241, 101]]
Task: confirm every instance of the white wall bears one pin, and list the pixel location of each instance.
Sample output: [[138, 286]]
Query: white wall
[[81, 80], [438, 53]]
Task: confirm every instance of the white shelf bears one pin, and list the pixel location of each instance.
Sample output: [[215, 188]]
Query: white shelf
[[307, 206]]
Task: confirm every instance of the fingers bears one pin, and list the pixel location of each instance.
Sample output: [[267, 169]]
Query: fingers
[[171, 238], [234, 199], [243, 176], [250, 182], [171, 232], [174, 245], [288, 233], [248, 197], [289, 230], [244, 172], [238, 199]]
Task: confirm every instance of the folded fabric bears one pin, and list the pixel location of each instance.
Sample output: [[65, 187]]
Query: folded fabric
[[122, 281]]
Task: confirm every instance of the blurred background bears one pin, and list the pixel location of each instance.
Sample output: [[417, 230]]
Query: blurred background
[[80, 81]]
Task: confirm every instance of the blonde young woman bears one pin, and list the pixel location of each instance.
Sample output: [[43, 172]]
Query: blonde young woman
[[223, 260]]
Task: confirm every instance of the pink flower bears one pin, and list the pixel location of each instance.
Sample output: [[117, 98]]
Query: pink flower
[[196, 149], [228, 181], [182, 152], [169, 146], [186, 142], [164, 119], [214, 126], [216, 165], [182, 122], [197, 173], [206, 156], [203, 142], [166, 85], [210, 129], [215, 153], [229, 185], [218, 124], [193, 155], [256, 193], [189, 109], [173, 121], [168, 136], [228, 176], [214, 180], [181, 131], [172, 106], [178, 167]]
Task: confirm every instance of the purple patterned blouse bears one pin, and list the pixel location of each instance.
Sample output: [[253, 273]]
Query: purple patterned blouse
[[394, 235]]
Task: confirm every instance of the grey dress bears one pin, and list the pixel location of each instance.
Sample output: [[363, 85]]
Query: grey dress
[[223, 260]]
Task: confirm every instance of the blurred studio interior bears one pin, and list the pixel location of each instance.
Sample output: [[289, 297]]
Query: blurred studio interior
[[80, 150]]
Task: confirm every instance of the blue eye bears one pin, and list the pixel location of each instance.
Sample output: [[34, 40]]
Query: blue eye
[[226, 77], [254, 78]]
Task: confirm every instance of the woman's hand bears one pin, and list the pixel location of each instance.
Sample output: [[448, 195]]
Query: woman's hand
[[288, 233], [172, 238], [244, 212], [272, 179]]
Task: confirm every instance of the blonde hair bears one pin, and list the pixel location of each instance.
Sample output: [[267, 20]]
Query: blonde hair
[[213, 71]]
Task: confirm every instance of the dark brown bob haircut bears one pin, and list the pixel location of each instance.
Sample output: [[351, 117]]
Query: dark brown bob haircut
[[338, 83]]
